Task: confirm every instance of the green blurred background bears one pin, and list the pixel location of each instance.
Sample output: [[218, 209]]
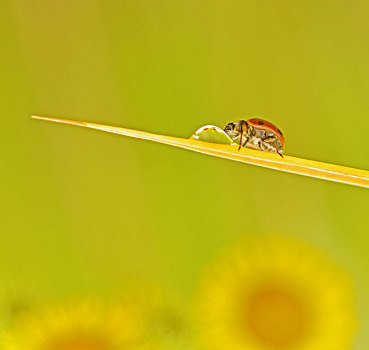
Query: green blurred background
[[84, 211]]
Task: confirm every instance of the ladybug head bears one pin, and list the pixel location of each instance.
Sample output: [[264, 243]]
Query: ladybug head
[[230, 128]]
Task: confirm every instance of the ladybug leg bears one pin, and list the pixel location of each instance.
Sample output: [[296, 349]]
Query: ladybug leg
[[266, 139], [278, 150], [269, 138], [243, 144], [244, 128], [276, 145]]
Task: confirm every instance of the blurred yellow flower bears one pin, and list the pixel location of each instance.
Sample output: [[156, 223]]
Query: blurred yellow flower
[[275, 293], [141, 318], [161, 317], [74, 326]]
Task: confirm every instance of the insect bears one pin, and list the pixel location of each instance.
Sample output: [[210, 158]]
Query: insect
[[259, 133]]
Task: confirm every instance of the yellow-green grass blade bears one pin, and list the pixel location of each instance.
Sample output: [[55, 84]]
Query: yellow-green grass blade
[[294, 165]]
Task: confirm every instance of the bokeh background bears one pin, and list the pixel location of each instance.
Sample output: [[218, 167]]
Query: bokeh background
[[83, 211]]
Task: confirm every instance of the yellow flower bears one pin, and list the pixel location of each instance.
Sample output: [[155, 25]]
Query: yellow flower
[[275, 293], [73, 326], [142, 318], [163, 323]]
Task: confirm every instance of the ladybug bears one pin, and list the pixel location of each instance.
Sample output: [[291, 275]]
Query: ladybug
[[257, 133]]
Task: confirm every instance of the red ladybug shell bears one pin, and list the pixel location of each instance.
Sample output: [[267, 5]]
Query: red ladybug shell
[[263, 124]]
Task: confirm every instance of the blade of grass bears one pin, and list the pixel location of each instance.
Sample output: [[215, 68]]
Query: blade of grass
[[294, 165]]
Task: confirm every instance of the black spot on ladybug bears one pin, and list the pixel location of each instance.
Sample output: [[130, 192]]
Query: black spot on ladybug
[[280, 132], [260, 122]]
